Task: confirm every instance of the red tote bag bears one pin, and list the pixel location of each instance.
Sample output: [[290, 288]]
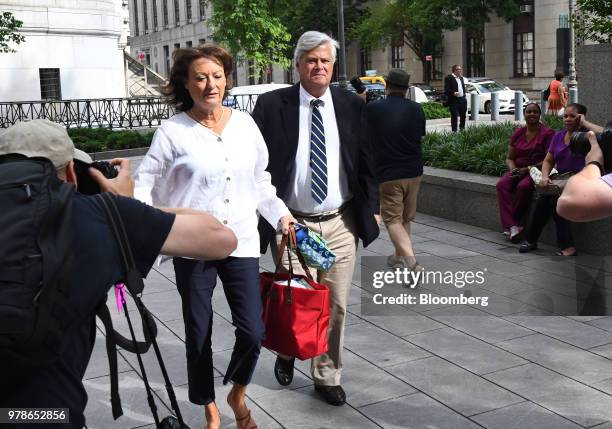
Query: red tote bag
[[296, 319]]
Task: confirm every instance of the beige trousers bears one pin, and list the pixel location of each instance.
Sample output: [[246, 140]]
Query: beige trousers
[[341, 237]]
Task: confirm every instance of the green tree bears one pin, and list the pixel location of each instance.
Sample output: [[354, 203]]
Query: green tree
[[8, 31], [594, 20], [248, 29], [420, 23]]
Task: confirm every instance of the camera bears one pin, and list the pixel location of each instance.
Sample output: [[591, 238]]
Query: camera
[[85, 183], [580, 145], [358, 85]]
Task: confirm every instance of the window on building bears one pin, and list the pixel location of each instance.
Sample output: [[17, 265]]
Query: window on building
[[148, 59], [475, 53], [177, 16], [145, 18], [189, 44], [201, 41], [269, 74], [167, 59], [397, 56], [136, 27], [436, 66], [289, 75], [524, 44], [165, 13], [203, 9], [523, 55], [366, 60], [50, 85], [188, 9], [177, 46], [155, 15]]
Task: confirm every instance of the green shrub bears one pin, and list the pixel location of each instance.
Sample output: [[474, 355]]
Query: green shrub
[[481, 149], [102, 139], [553, 121], [435, 110]]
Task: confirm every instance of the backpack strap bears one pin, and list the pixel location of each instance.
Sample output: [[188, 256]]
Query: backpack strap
[[111, 351]]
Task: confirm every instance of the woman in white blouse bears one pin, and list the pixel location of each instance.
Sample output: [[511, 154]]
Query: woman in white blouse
[[212, 158]]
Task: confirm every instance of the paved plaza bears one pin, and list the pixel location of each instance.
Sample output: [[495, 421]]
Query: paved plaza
[[496, 368]]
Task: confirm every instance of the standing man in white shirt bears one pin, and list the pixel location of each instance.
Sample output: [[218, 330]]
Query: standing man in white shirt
[[321, 167], [454, 89]]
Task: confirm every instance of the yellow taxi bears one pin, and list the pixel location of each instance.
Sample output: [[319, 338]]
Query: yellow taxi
[[371, 77]]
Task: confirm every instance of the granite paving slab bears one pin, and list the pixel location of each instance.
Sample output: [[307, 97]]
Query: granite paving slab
[[468, 352], [525, 415], [568, 398], [448, 384]]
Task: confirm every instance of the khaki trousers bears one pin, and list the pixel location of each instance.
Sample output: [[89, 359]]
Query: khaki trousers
[[339, 232]]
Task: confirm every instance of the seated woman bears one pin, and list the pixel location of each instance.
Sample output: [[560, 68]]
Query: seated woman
[[528, 146], [561, 157]]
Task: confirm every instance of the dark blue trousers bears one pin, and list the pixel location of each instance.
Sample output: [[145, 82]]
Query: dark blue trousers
[[196, 281]]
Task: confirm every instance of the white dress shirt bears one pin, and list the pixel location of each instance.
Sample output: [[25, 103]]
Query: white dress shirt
[[459, 85], [300, 197], [188, 165]]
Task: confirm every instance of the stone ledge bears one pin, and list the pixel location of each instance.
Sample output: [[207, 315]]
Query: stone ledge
[[472, 199]]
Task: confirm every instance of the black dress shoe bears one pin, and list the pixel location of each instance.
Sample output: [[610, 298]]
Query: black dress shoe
[[283, 370], [333, 395], [527, 247]]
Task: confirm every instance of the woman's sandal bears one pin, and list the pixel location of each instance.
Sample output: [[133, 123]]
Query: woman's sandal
[[560, 253], [248, 419]]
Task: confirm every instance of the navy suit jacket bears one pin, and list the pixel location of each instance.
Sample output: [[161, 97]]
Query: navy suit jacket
[[450, 87], [277, 115]]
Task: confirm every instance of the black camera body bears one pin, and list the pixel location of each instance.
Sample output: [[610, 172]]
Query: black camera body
[[358, 85], [580, 145], [85, 183]]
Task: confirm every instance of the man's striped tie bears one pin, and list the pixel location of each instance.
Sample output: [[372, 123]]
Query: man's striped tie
[[318, 158]]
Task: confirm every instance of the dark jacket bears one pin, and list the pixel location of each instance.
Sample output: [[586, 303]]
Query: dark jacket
[[396, 127], [277, 115], [450, 87]]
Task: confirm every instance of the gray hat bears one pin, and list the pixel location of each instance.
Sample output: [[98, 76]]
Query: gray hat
[[38, 138], [398, 77]]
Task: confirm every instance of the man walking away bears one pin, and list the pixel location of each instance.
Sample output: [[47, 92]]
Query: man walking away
[[396, 126]]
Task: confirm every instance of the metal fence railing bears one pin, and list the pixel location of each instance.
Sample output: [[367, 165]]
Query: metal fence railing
[[120, 113], [94, 113]]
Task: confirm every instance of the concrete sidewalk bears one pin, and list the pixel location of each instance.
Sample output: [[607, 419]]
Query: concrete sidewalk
[[494, 367]]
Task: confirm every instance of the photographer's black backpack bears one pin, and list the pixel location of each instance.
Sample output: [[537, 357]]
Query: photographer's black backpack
[[135, 285], [35, 261]]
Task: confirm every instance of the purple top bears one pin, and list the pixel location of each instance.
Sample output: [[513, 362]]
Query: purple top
[[607, 178], [530, 152], [565, 160]]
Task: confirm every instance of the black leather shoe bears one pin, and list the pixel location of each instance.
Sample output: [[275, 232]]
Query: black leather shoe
[[283, 370], [333, 395], [527, 247]]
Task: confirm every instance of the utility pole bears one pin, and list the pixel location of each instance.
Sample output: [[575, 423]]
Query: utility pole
[[342, 57], [572, 46]]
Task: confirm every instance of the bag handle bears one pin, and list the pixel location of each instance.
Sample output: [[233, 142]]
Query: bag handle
[[289, 242]]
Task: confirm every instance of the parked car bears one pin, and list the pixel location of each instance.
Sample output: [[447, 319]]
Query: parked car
[[371, 77], [484, 87], [244, 97], [431, 93]]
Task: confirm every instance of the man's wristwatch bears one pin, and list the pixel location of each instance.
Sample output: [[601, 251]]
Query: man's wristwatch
[[598, 164]]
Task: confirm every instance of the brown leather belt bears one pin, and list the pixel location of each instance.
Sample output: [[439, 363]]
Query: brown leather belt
[[318, 217]]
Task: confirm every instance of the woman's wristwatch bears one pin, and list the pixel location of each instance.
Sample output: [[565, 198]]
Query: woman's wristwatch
[[598, 164]]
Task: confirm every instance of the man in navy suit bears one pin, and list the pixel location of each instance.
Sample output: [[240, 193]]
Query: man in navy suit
[[320, 163], [454, 89]]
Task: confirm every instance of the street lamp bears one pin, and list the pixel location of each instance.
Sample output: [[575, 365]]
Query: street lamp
[[572, 48], [342, 57]]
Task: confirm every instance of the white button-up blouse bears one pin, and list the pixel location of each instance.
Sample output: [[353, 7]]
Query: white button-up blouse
[[190, 166]]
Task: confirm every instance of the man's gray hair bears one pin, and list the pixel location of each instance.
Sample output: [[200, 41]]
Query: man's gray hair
[[311, 40]]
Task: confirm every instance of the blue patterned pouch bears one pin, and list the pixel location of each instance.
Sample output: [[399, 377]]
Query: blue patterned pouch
[[314, 248]]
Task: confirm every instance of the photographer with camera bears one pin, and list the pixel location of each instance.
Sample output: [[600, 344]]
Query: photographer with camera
[[588, 195], [59, 257]]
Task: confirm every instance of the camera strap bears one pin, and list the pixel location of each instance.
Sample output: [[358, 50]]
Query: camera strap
[[134, 283]]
